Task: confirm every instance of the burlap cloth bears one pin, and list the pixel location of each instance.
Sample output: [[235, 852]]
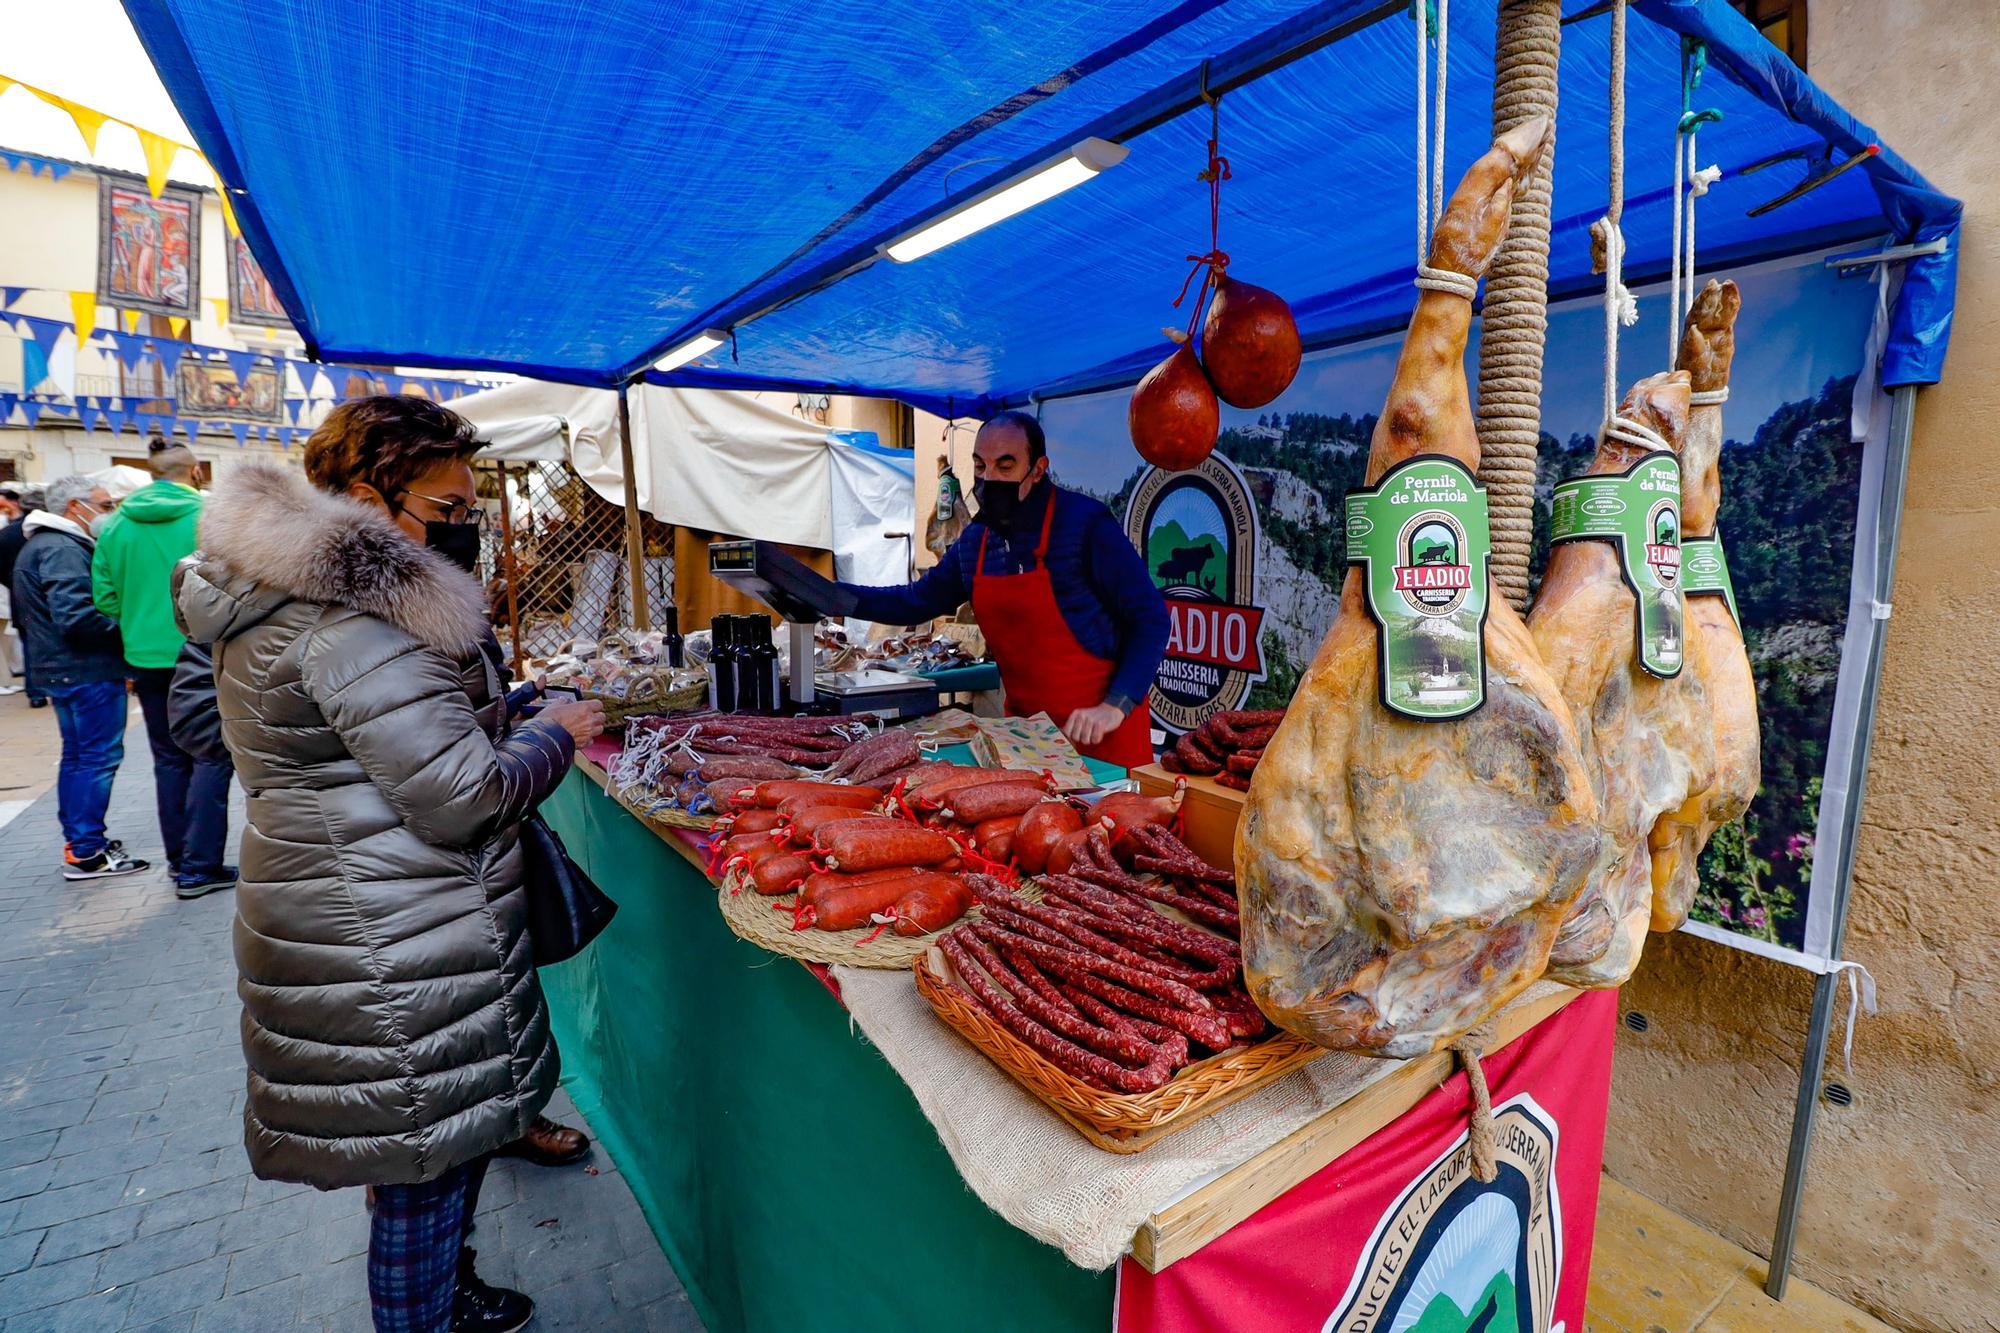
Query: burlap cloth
[[1030, 1167]]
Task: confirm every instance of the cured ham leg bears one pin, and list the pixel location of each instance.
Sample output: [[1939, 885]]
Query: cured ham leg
[[1708, 344], [1647, 743], [1403, 879]]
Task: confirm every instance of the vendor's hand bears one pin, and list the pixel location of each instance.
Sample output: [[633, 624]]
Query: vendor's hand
[[583, 719], [1089, 726]]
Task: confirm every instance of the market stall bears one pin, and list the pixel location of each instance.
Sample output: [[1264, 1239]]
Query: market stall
[[1318, 1031]]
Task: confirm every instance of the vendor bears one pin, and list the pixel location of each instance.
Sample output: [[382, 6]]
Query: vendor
[[1069, 609]]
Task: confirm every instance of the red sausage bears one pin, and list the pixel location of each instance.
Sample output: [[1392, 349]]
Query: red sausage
[[1000, 849], [1065, 851], [931, 795], [857, 798], [727, 794], [770, 793], [805, 823], [873, 843], [822, 882], [989, 800], [747, 848], [1039, 830], [930, 902], [780, 874], [847, 906], [989, 829], [1127, 810], [754, 820]]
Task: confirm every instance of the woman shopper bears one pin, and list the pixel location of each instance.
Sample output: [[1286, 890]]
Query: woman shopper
[[393, 1026]]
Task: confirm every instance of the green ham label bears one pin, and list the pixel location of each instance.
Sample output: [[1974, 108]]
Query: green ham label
[[1421, 532], [1705, 572], [1638, 511]]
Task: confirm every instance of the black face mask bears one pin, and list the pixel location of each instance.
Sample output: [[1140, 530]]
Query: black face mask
[[1000, 502], [456, 542]]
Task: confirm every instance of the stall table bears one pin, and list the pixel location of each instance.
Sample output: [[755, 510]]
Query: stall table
[[795, 1183]]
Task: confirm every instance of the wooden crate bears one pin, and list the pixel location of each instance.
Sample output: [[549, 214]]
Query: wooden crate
[[1208, 812]]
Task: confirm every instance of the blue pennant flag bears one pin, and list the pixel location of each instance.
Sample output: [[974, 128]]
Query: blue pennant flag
[[33, 411], [88, 416], [292, 406], [337, 376], [13, 161], [45, 332], [9, 295], [241, 432], [58, 170], [393, 383], [34, 366], [170, 354], [7, 401], [240, 362], [193, 430], [308, 375], [131, 347], [285, 434], [116, 420]]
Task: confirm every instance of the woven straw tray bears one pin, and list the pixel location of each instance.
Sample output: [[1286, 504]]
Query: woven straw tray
[[660, 813], [1114, 1121], [767, 923]]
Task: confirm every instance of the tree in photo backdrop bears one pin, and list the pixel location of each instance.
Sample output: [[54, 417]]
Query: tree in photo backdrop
[[1790, 485]]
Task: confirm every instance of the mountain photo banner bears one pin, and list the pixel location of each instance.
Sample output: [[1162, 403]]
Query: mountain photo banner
[[1791, 489]]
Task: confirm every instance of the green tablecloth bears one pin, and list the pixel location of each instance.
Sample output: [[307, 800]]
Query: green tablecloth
[[965, 679], [787, 1171]]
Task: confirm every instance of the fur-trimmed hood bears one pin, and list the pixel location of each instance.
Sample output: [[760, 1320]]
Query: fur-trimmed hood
[[269, 536]]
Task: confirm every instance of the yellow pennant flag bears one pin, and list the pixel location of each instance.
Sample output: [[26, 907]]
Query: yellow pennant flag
[[179, 326], [88, 121], [131, 318], [221, 304], [228, 213], [83, 306], [159, 156]]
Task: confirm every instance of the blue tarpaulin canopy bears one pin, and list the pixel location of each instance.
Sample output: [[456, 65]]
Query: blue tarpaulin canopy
[[567, 191]]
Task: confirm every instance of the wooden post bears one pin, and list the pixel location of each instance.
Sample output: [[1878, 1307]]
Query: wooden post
[[635, 545], [510, 564]]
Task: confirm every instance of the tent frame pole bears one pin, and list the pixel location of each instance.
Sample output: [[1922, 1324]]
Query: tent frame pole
[[1812, 1067], [510, 566], [635, 543]]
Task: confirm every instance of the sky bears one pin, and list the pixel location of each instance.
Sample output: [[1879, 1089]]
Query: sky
[[1800, 326], [84, 50]]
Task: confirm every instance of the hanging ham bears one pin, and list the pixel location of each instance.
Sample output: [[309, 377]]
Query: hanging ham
[[1646, 740], [1401, 879], [1708, 344], [1249, 343]]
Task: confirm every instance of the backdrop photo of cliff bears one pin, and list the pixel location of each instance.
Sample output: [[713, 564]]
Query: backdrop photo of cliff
[[1789, 485]]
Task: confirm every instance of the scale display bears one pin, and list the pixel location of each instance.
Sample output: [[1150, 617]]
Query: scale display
[[781, 581]]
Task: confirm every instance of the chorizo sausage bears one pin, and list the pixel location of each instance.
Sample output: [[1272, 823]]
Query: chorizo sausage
[[846, 906], [855, 798], [932, 794], [780, 874], [875, 842], [1040, 829], [803, 824], [1064, 853], [929, 903], [770, 793], [989, 800], [754, 820]]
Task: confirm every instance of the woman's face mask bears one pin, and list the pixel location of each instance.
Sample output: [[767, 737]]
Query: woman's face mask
[[456, 542]]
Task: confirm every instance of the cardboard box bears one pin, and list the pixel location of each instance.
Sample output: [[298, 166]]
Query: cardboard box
[[1209, 812]]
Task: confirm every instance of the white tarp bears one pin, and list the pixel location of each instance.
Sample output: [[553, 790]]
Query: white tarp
[[718, 461], [874, 503]]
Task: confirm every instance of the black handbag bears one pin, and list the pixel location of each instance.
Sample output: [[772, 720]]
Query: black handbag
[[566, 911]]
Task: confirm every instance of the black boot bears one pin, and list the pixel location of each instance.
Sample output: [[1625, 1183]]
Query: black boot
[[479, 1308]]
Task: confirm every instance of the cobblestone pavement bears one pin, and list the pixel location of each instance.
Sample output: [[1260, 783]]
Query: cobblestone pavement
[[126, 1200]]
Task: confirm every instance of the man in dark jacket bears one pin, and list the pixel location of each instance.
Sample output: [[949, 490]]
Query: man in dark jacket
[[76, 658], [23, 501]]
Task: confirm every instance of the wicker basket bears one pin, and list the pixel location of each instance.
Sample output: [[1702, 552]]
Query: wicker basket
[[767, 923], [650, 694], [1116, 1122]]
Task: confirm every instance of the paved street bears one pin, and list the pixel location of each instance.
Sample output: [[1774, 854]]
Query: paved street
[[125, 1197]]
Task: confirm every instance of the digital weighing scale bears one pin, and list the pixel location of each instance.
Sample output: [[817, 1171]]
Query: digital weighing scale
[[765, 572]]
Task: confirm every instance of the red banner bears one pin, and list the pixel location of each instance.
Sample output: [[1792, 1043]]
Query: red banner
[[1397, 1234], [1216, 633]]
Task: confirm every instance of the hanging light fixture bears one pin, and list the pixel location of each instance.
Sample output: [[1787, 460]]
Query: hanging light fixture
[[1003, 201], [700, 345]]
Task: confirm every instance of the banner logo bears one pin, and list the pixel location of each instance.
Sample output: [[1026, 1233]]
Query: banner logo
[[1198, 533], [1431, 572], [1663, 549], [1453, 1255]]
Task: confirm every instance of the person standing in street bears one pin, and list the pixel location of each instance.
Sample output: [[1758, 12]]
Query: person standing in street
[[75, 658], [131, 576], [23, 500]]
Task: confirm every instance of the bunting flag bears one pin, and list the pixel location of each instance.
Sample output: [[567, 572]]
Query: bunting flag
[[179, 324], [285, 434], [393, 384], [9, 295], [32, 410], [130, 318], [131, 348], [241, 432], [308, 375], [87, 415], [116, 419], [160, 153], [192, 429], [240, 362], [221, 304], [34, 365], [229, 223], [83, 307], [7, 402], [292, 406], [337, 376], [44, 331], [88, 121], [170, 354]]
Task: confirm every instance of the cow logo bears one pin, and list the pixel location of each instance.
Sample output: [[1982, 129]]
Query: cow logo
[[1663, 543], [1454, 1255], [1198, 533], [1432, 572]]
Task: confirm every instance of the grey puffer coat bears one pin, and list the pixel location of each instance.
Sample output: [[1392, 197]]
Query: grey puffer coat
[[392, 1022]]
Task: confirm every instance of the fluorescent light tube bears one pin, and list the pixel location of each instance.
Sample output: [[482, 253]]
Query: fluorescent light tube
[[700, 345], [1003, 201]]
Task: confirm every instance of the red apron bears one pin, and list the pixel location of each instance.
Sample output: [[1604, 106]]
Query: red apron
[[1042, 666]]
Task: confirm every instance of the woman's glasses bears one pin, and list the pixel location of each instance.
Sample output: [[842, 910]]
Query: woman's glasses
[[454, 512]]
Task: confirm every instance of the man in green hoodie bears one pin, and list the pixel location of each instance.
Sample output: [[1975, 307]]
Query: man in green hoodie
[[132, 582]]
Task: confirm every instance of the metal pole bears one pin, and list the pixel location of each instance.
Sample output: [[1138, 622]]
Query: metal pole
[[1888, 531], [511, 564], [635, 547]]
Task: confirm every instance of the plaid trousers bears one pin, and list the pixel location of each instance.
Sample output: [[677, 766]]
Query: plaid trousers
[[413, 1248]]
